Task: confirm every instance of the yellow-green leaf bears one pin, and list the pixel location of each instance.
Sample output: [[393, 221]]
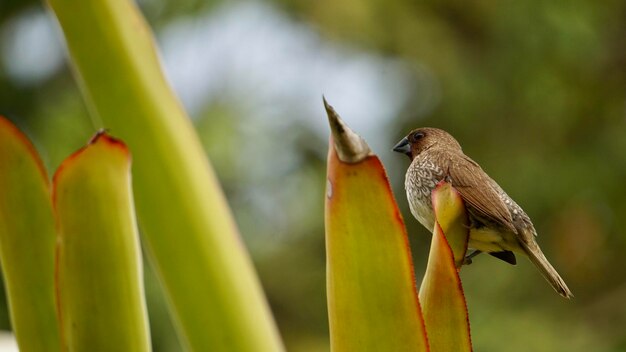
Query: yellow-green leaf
[[27, 242], [441, 292], [372, 299], [452, 217], [100, 276], [187, 227]]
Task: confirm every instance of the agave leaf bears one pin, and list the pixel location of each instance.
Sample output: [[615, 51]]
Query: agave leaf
[[187, 227], [99, 274], [441, 292], [27, 242], [372, 299], [452, 218]]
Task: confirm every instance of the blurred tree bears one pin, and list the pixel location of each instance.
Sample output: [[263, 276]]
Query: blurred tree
[[533, 90]]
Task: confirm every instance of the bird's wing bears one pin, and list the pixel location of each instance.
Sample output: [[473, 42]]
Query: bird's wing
[[475, 186]]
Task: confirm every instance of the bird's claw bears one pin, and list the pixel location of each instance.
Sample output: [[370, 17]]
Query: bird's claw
[[468, 258]]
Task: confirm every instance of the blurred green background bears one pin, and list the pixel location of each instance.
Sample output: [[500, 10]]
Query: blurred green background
[[535, 92]]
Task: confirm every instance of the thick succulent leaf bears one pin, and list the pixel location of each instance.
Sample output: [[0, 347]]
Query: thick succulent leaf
[[441, 292], [27, 242], [452, 218], [99, 273], [189, 232], [372, 298]]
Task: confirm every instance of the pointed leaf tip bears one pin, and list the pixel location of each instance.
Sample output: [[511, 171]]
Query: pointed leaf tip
[[100, 138], [9, 132], [27, 242], [95, 218], [441, 292], [350, 147], [103, 136]]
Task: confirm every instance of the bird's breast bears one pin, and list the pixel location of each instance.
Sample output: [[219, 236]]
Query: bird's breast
[[421, 178]]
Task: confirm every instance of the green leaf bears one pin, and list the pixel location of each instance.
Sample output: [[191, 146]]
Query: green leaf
[[100, 278], [27, 242], [372, 299], [187, 227], [441, 292], [452, 218]]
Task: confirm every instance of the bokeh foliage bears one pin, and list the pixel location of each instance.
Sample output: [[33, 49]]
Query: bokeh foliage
[[533, 90]]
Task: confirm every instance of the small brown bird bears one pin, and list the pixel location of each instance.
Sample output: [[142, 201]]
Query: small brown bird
[[498, 225]]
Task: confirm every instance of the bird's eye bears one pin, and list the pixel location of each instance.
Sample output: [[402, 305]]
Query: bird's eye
[[416, 137]]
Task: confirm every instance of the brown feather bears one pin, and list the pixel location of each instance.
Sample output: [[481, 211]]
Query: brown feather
[[498, 224], [474, 185]]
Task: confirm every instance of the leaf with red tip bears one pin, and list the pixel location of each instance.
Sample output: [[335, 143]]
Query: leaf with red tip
[[27, 242], [372, 299], [100, 279], [441, 292], [213, 293]]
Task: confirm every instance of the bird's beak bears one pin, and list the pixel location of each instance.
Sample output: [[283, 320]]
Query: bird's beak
[[403, 147]]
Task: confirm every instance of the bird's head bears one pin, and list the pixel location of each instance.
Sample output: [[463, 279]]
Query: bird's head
[[422, 139]]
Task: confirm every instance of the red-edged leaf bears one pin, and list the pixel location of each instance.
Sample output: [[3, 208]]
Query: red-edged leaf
[[441, 292], [372, 298], [27, 241], [99, 280]]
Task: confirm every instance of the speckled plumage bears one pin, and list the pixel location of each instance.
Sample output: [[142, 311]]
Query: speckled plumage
[[420, 180], [498, 225]]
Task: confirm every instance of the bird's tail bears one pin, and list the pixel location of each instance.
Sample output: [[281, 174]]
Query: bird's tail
[[547, 270]]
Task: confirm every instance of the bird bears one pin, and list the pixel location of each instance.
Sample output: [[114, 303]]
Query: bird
[[498, 225]]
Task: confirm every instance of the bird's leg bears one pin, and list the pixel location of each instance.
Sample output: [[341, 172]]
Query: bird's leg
[[468, 258]]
